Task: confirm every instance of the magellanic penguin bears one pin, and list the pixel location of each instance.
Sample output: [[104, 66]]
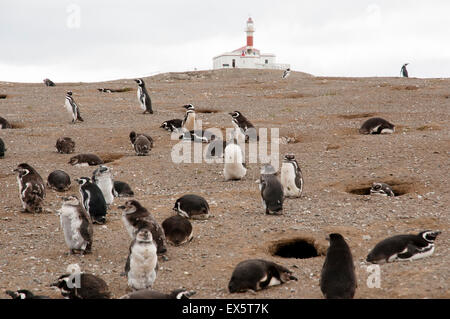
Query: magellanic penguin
[[338, 279], [48, 82], [93, 200], [65, 145], [271, 191], [188, 123], [73, 108], [24, 294], [143, 97], [86, 286], [76, 225], [286, 73], [234, 167], [172, 125], [142, 143], [216, 148], [381, 189], [58, 180], [244, 129], [198, 136], [135, 216], [403, 70], [178, 230], [153, 294], [256, 274], [85, 160], [404, 247], [192, 206], [122, 189], [134, 136], [102, 177], [4, 124], [376, 125], [291, 177], [2, 148], [142, 262], [31, 188]]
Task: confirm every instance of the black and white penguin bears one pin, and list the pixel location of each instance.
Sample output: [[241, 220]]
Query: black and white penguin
[[244, 129], [73, 108], [104, 90], [24, 294], [135, 216], [172, 125], [143, 97], [338, 279], [198, 136], [102, 177], [192, 206], [2, 148], [76, 225], [256, 274], [178, 230], [48, 82], [58, 180], [4, 124], [404, 247], [65, 145], [381, 189], [153, 294], [31, 188], [142, 262], [234, 166], [291, 177], [93, 200], [403, 70], [85, 160], [188, 123], [122, 189], [216, 148], [286, 73], [377, 125], [90, 286], [271, 191]]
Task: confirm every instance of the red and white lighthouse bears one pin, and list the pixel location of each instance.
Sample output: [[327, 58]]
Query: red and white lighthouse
[[250, 29]]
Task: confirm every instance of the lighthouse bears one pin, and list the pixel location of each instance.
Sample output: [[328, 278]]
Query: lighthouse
[[247, 57]]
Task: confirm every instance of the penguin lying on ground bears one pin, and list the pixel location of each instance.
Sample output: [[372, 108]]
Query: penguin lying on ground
[[376, 125], [381, 189], [122, 189], [65, 145], [177, 229], [4, 124], [90, 286], [192, 206], [153, 294], [2, 148], [172, 125], [85, 160], [24, 294], [58, 180]]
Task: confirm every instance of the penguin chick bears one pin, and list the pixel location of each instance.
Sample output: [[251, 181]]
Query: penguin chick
[[234, 167], [85, 160], [58, 180], [178, 230], [271, 191], [65, 145], [31, 188], [122, 189], [192, 206]]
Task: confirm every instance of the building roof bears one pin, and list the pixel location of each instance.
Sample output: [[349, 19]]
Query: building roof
[[239, 51]]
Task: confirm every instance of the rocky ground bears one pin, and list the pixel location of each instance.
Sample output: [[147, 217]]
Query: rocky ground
[[319, 116]]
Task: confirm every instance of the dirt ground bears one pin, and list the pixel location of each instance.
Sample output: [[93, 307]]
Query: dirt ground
[[321, 115]]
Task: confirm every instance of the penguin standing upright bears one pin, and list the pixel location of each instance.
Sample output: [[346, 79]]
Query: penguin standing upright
[[188, 123], [76, 225], [286, 73], [73, 108], [31, 188], [102, 177], [244, 129], [93, 200], [271, 191], [338, 279], [65, 145], [2, 148], [143, 97], [48, 82], [142, 143], [404, 71], [234, 167], [192, 206], [291, 177]]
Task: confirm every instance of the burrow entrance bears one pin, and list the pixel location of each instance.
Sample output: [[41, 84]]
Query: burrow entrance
[[300, 248], [398, 187], [110, 157]]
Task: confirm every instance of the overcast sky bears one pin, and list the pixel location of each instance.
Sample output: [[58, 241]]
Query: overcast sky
[[103, 40]]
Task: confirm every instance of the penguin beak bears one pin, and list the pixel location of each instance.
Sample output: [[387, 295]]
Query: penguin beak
[[327, 238], [231, 114], [190, 293], [293, 278], [121, 207]]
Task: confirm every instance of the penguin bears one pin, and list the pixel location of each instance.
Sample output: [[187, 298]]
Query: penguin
[[48, 82], [376, 125], [134, 135], [2, 148], [31, 188], [286, 73], [216, 149], [153, 294], [4, 124], [102, 177], [257, 274], [73, 108], [404, 247], [338, 279], [178, 230], [142, 263], [188, 123], [90, 286], [271, 191], [93, 200], [192, 206], [244, 129], [381, 189], [58, 180], [65, 145], [142, 145], [122, 189], [143, 97], [135, 216], [172, 125], [234, 167], [106, 90], [24, 294], [76, 225], [85, 160], [198, 136], [403, 70], [291, 177]]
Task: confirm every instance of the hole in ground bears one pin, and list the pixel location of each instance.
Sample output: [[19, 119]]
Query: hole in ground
[[301, 248], [356, 116], [398, 187], [206, 111], [17, 125], [3, 96], [110, 157]]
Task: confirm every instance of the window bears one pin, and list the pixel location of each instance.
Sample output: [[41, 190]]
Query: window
[[225, 65], [266, 62]]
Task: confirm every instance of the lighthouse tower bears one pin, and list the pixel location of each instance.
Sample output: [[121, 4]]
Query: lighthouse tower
[[249, 30]]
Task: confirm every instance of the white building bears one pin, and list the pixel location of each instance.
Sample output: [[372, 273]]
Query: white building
[[247, 56]]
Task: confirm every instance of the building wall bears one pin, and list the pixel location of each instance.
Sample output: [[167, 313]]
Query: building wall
[[259, 62]]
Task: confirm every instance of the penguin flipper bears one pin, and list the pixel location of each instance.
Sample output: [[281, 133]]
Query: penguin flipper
[[411, 250]]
